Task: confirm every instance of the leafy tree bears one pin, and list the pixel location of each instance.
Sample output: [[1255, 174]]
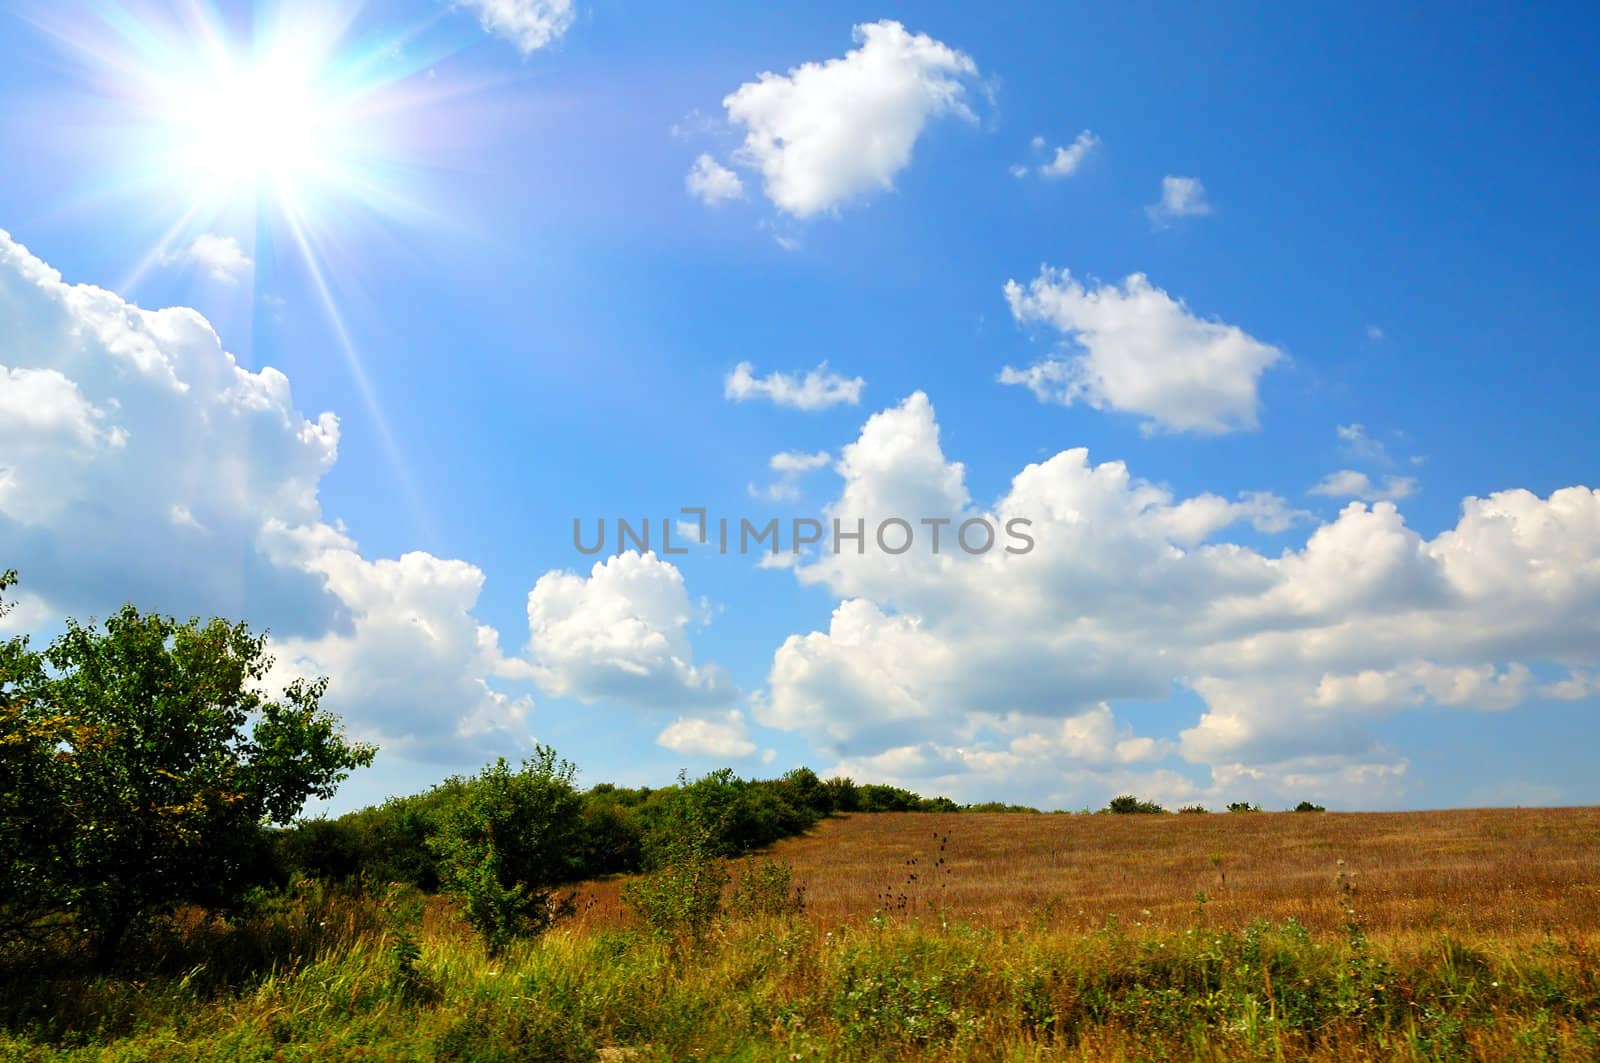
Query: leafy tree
[[1307, 806], [1243, 806], [802, 787], [510, 838], [33, 808], [165, 758], [843, 795]]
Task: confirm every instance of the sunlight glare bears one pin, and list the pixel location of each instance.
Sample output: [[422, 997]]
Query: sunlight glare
[[265, 123]]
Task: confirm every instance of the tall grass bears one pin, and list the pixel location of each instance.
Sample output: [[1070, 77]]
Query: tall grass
[[318, 974], [890, 989]]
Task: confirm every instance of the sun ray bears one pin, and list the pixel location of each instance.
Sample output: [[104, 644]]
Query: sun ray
[[398, 466]]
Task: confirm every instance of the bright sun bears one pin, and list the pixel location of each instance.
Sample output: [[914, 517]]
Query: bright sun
[[287, 111], [259, 125]]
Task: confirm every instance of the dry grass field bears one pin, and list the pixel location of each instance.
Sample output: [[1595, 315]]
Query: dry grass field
[[960, 938], [1503, 873]]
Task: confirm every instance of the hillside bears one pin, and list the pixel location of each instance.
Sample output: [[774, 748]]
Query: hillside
[[1500, 872]]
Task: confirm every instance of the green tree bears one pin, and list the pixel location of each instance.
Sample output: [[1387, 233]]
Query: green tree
[[507, 841], [165, 759], [32, 803]]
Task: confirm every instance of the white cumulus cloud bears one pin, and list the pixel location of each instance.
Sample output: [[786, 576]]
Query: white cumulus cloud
[[723, 736], [993, 672], [1136, 349], [139, 461], [621, 633], [827, 133]]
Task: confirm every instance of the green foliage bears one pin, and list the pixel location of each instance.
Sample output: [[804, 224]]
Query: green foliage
[[801, 788], [1191, 810], [767, 888], [1243, 806], [681, 900], [843, 794], [507, 842], [34, 814], [698, 827], [1127, 804], [613, 839], [402, 908], [142, 760], [875, 797], [1001, 806], [378, 845], [1307, 806]]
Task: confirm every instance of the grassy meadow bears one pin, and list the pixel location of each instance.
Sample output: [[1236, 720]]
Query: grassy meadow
[[1441, 935]]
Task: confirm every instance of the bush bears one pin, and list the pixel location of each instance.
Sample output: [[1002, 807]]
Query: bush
[[876, 797], [681, 899], [1307, 806], [1189, 810], [767, 889], [613, 839], [1128, 804], [1243, 806], [508, 840]]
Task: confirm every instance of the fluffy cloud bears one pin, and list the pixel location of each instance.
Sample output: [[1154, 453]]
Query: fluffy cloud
[[220, 257], [712, 183], [1348, 483], [817, 390], [130, 434], [412, 664], [1067, 159], [830, 132], [724, 736], [620, 633], [142, 462], [1181, 197], [1138, 350], [528, 24], [1000, 671]]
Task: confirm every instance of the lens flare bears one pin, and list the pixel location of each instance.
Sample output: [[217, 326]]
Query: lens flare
[[286, 123], [292, 111]]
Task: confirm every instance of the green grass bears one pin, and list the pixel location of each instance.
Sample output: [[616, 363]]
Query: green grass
[[333, 986]]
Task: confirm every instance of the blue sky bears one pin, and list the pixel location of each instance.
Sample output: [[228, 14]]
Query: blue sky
[[1302, 284]]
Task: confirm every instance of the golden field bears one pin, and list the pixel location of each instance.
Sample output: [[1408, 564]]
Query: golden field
[[1497, 873]]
